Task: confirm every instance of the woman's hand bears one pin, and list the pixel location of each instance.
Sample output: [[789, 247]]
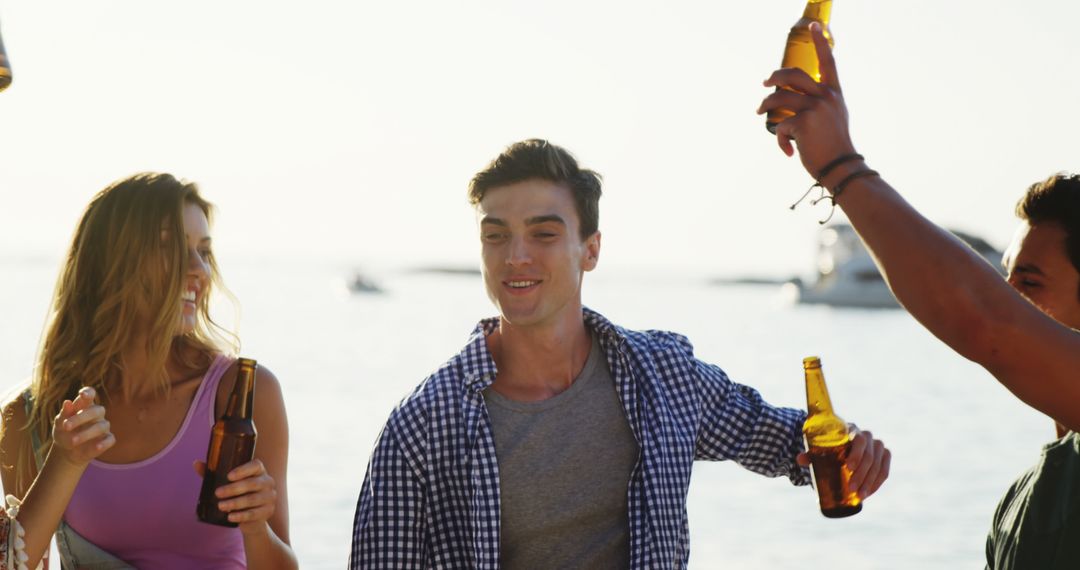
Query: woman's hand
[[80, 431], [250, 498]]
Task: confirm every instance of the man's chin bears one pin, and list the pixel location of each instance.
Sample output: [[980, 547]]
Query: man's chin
[[518, 318]]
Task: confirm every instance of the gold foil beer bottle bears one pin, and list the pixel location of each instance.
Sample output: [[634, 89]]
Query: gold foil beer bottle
[[800, 50], [828, 442], [232, 443], [5, 67]]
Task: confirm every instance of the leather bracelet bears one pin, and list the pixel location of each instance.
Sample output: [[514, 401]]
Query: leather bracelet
[[839, 186], [837, 162], [847, 180]]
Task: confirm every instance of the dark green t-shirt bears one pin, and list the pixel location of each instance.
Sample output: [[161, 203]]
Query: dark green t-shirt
[[1037, 523]]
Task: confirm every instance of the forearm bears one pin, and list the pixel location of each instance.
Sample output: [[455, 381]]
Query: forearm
[[946, 285], [264, 549], [44, 504], [961, 299], [738, 424]]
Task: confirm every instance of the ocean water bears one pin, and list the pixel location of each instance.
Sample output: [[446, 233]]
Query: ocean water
[[958, 438]]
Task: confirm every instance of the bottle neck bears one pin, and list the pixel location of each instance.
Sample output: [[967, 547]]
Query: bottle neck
[[817, 395], [818, 10], [240, 401]]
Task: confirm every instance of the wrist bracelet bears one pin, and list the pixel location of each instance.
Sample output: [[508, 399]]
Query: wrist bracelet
[[840, 186], [837, 162], [17, 539], [850, 177]]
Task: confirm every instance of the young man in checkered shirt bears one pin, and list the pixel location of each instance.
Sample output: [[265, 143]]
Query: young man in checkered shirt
[[557, 439]]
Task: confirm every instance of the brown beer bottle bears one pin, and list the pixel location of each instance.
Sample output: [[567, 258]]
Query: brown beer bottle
[[828, 442], [5, 67], [800, 50], [232, 443]]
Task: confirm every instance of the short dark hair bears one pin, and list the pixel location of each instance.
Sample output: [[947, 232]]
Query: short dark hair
[[537, 158], [1056, 200]]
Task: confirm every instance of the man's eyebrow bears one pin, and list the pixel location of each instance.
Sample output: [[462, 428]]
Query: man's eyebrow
[[555, 218], [1029, 269], [544, 219]]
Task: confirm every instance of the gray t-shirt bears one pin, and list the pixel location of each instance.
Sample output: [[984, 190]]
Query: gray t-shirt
[[564, 469]]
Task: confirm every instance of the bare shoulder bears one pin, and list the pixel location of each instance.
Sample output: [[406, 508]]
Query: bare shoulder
[[268, 396], [272, 422]]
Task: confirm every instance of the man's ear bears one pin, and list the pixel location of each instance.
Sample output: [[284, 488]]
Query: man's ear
[[592, 252]]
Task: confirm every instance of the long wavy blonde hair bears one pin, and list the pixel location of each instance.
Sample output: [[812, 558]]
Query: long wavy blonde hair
[[125, 269]]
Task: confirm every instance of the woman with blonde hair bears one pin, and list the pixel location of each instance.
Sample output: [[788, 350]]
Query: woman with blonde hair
[[105, 446]]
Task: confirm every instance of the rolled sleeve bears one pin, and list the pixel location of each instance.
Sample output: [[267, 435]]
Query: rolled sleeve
[[738, 424]]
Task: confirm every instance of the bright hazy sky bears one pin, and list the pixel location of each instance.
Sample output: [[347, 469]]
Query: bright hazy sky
[[348, 130]]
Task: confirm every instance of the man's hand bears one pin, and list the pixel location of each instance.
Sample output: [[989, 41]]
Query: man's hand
[[868, 461], [820, 124]]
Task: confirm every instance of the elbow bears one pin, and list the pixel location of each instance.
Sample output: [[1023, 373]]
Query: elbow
[[976, 332], [979, 341]]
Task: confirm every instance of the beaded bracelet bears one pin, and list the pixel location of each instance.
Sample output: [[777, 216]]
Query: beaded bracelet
[[17, 532]]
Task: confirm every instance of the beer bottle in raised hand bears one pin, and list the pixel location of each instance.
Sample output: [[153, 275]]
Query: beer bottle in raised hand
[[828, 442], [232, 443], [800, 50], [5, 67]]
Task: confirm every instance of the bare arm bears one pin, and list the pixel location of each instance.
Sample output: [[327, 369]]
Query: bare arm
[[948, 287], [80, 434]]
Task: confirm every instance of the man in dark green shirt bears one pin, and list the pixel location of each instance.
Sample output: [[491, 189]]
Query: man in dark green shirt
[[1037, 523]]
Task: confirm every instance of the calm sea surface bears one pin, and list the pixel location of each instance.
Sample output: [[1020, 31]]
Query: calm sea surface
[[958, 438]]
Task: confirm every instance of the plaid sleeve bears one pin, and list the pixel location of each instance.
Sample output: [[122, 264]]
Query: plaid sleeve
[[389, 529], [737, 424]]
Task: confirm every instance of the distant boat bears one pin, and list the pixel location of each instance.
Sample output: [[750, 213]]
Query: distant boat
[[846, 274], [360, 283]]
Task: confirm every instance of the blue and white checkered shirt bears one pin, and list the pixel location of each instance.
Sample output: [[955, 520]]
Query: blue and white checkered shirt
[[431, 495]]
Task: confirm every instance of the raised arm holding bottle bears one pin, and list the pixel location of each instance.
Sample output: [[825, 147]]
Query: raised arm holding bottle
[[1030, 347], [967, 304]]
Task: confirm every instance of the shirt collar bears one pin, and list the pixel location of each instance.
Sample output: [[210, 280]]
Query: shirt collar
[[477, 362], [479, 366]]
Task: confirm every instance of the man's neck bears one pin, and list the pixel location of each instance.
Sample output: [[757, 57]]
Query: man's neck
[[537, 363]]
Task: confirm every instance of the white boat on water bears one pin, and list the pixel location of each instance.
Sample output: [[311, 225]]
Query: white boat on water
[[846, 274]]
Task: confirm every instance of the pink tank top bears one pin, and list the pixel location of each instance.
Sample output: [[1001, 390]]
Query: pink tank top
[[144, 512]]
